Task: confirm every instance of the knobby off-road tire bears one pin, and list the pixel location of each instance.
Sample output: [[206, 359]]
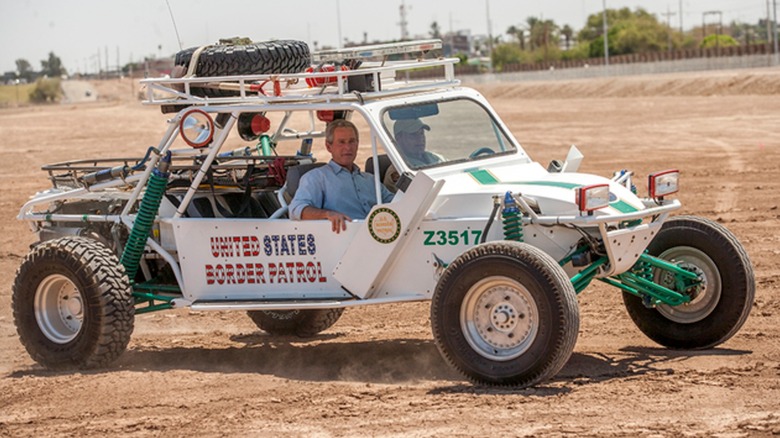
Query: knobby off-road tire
[[722, 304], [301, 323], [279, 57], [72, 304], [505, 313]]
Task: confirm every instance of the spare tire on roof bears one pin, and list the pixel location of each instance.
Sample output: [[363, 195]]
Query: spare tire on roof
[[269, 57]]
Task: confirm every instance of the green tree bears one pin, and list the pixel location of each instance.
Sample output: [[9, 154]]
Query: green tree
[[52, 67], [435, 30], [517, 34], [531, 23], [748, 33], [47, 90], [629, 32], [24, 69], [567, 33], [718, 41], [504, 54]]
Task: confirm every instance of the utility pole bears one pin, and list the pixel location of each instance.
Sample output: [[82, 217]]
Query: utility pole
[[720, 27], [490, 33], [681, 27], [403, 23], [606, 37], [338, 17], [774, 33], [769, 36], [668, 16]]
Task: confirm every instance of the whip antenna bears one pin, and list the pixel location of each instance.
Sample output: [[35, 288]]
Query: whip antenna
[[175, 29]]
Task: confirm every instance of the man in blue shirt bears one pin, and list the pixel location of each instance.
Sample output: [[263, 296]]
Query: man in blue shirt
[[338, 191]]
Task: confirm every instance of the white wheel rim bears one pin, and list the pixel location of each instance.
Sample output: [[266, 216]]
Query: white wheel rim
[[708, 294], [59, 309], [499, 318]]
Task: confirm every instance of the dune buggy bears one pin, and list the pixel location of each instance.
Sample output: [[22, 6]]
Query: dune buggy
[[499, 244]]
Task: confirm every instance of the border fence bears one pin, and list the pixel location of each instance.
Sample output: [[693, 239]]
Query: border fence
[[688, 60]]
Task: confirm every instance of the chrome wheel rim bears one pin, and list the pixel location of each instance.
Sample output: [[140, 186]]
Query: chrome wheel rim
[[499, 318], [707, 294], [59, 309]]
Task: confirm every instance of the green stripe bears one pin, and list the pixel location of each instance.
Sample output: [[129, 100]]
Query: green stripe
[[484, 177], [563, 185], [623, 206]]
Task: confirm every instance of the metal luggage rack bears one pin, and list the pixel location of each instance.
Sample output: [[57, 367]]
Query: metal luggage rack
[[83, 173], [372, 80]]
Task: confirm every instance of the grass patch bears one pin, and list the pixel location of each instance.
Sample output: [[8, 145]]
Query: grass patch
[[8, 94]]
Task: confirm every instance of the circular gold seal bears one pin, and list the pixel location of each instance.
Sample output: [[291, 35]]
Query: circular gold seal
[[384, 225]]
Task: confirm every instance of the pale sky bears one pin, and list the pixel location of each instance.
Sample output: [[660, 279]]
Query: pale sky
[[76, 30]]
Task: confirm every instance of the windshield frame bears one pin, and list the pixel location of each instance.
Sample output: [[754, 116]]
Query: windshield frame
[[503, 138]]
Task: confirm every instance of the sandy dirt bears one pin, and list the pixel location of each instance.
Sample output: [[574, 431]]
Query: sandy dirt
[[377, 371]]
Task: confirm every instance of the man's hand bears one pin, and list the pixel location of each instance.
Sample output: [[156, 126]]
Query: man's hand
[[338, 221]]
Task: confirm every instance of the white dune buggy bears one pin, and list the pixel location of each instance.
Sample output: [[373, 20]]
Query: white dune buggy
[[500, 244]]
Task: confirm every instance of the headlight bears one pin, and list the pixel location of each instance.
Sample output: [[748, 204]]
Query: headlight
[[664, 183], [196, 128], [593, 197]]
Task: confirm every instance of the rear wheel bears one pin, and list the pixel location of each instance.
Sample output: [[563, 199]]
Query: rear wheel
[[301, 323], [719, 305], [284, 56], [505, 313], [72, 304]]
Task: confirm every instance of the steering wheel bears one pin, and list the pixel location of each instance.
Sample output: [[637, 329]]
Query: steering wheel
[[482, 151]]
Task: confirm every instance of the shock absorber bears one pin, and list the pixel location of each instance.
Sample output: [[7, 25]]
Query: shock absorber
[[144, 219], [512, 219]]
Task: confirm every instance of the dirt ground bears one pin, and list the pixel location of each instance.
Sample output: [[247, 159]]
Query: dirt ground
[[377, 371]]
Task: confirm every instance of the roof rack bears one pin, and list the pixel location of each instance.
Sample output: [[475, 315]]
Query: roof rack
[[377, 50], [372, 80]]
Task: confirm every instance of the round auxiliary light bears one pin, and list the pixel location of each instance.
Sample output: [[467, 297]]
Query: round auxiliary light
[[196, 128], [252, 125]]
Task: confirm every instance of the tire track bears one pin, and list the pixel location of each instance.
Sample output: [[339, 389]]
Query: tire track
[[727, 198]]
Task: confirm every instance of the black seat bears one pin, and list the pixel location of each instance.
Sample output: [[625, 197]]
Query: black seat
[[294, 175], [384, 164]]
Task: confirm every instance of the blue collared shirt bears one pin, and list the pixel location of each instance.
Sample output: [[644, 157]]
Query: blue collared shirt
[[333, 187]]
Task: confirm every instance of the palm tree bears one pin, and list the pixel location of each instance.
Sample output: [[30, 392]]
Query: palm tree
[[532, 22], [567, 33], [518, 34]]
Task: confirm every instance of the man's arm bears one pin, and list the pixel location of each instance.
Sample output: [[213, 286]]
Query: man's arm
[[308, 200], [309, 194], [338, 221]]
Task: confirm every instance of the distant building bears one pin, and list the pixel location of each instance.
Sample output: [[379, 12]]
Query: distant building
[[8, 77], [155, 68], [455, 43]]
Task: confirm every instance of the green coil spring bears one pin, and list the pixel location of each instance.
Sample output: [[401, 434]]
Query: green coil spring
[[144, 219], [512, 219], [643, 269]]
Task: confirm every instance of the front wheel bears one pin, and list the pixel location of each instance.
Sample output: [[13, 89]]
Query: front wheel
[[505, 313], [719, 305], [72, 304]]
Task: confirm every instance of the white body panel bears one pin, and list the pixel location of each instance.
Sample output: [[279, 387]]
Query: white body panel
[[253, 259], [383, 237]]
